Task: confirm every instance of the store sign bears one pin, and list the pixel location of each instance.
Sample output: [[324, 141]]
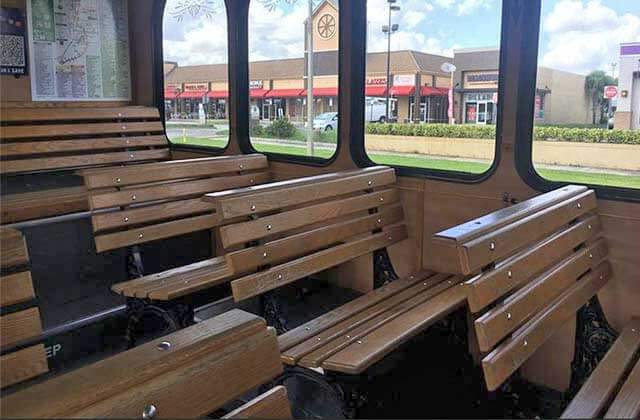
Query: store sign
[[481, 79], [193, 87], [610, 92], [256, 84], [404, 80], [376, 81]]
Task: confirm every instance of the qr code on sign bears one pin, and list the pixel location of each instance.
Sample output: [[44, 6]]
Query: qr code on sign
[[12, 47]]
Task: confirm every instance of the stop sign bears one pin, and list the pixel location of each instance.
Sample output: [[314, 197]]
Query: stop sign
[[610, 92]]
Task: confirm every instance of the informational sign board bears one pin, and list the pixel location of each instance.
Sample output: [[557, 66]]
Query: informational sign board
[[13, 41], [404, 80], [610, 92], [79, 50]]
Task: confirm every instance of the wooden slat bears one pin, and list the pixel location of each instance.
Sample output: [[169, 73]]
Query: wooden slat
[[483, 225], [18, 132], [239, 233], [175, 169], [305, 242], [318, 325], [68, 114], [20, 326], [598, 390], [627, 402], [41, 204], [207, 364], [16, 288], [305, 192], [13, 248], [498, 322], [273, 404], [513, 352], [511, 273], [480, 252], [327, 337], [61, 146], [22, 365], [78, 161], [357, 334], [173, 190], [371, 348], [150, 233], [255, 284], [178, 281], [149, 213]]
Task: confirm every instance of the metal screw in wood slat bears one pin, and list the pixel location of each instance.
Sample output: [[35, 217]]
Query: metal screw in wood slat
[[165, 345], [264, 255], [379, 221], [252, 181], [241, 166], [133, 197], [269, 227], [127, 141], [492, 246], [279, 276], [131, 156], [348, 336], [118, 180], [307, 328], [141, 236], [590, 256], [319, 339], [370, 183], [589, 227], [359, 341], [253, 208], [389, 237], [126, 219], [508, 315], [509, 274], [381, 199], [525, 343], [579, 205], [149, 412], [424, 284], [124, 127], [119, 114]]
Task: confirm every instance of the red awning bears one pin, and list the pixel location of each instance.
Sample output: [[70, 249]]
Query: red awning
[[322, 92], [171, 94], [194, 94], [258, 93], [433, 91], [285, 93], [375, 91], [403, 90], [218, 94]]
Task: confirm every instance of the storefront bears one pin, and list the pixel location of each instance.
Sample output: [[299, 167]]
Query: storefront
[[480, 107]]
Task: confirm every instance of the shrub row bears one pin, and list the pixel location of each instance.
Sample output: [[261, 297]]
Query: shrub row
[[548, 133]]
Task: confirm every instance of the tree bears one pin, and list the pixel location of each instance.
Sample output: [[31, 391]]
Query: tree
[[594, 88]]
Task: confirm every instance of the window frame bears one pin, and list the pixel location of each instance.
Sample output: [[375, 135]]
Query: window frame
[[158, 15], [523, 149], [362, 159]]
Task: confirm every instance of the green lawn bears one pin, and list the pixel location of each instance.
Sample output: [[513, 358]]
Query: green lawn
[[580, 177]]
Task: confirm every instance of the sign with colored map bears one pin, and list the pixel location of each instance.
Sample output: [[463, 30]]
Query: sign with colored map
[[79, 50]]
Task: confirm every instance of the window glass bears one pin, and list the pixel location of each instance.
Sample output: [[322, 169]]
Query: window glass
[[587, 104], [196, 89], [432, 83], [283, 92]]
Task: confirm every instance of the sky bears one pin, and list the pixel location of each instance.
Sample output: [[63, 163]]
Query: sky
[[576, 35]]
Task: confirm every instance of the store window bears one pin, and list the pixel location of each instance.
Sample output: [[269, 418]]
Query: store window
[[587, 105], [293, 102], [432, 84], [196, 92]]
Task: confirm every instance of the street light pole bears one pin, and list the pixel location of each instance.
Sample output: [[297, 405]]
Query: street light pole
[[310, 145], [389, 29]]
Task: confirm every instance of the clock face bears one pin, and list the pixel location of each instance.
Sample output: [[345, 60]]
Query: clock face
[[327, 26]]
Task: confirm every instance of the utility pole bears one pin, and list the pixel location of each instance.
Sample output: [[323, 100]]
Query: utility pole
[[310, 69]]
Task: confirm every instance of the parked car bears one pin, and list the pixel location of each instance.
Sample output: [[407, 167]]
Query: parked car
[[326, 122]]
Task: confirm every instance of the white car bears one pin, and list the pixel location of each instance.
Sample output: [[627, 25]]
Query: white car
[[326, 122]]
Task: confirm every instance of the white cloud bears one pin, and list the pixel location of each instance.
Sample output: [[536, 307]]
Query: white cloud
[[466, 7], [585, 35], [445, 4]]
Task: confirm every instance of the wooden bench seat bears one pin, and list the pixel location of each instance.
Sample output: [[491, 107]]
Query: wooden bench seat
[[282, 232], [613, 388], [37, 139], [187, 374], [20, 323], [273, 404], [134, 205], [531, 267]]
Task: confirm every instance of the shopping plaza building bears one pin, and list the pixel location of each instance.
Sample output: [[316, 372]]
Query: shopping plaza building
[[627, 115], [419, 88]]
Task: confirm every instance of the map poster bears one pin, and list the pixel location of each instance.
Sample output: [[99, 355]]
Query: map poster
[[79, 50], [13, 41]]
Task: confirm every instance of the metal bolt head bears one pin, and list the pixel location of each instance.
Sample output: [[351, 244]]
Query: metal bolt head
[[241, 166], [509, 274], [269, 227], [279, 276], [492, 246], [390, 237], [370, 183], [509, 315], [126, 219], [359, 341], [590, 256], [525, 343], [127, 141], [131, 156], [264, 255], [252, 181], [379, 221], [118, 180], [579, 205], [149, 412], [141, 236], [348, 336], [381, 199], [307, 328], [119, 114], [589, 227], [165, 345], [319, 339], [253, 208], [134, 198], [124, 127]]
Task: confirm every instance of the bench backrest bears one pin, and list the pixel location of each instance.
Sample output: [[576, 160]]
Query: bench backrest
[[48, 139], [20, 325], [532, 266], [190, 373], [137, 204], [278, 233]]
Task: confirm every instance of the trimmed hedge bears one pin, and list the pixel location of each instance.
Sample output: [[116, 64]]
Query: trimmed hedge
[[579, 135]]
